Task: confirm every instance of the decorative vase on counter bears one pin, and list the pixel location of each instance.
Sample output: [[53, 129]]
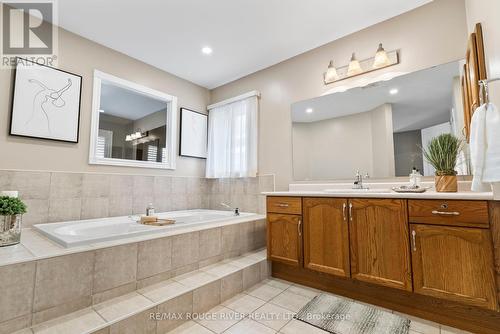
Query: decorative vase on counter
[[10, 230], [11, 213], [446, 183], [442, 153]]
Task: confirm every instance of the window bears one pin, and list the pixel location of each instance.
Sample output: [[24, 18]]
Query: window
[[104, 143], [152, 153], [232, 138]]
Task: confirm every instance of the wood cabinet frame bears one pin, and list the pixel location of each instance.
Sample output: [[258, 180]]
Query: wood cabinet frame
[[480, 316]]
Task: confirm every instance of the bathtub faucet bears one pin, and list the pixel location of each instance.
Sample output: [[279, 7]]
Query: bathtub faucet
[[235, 210]]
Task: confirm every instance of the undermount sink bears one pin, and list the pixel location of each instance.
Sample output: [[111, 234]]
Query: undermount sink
[[364, 190]]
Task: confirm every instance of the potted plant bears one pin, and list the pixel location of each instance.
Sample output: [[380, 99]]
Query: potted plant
[[442, 153], [11, 211]]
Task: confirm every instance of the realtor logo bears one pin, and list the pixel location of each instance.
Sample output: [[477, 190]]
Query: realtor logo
[[28, 31]]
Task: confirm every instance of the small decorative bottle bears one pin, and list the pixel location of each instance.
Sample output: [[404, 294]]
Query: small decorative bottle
[[418, 179], [413, 178], [150, 210]]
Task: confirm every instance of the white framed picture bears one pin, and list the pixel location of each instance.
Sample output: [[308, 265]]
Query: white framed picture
[[193, 134], [46, 102]]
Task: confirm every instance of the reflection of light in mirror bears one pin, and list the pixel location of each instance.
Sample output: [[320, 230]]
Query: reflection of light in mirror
[[101, 111], [207, 50], [393, 91], [309, 110]]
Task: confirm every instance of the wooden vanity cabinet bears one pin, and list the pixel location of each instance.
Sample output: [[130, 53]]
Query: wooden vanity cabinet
[[326, 235], [380, 252], [284, 230], [454, 263], [452, 252]]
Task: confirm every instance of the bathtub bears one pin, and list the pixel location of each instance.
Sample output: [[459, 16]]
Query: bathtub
[[85, 232]]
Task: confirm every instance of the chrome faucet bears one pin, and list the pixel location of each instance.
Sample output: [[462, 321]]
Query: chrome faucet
[[235, 210], [358, 181]]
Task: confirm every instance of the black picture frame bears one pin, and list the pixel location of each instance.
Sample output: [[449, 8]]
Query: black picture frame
[[182, 110], [18, 59]]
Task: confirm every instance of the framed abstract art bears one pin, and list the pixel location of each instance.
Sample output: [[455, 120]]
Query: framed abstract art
[[193, 134], [45, 102]]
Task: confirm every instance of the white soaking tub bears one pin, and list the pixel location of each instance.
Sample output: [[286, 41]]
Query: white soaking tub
[[84, 232]]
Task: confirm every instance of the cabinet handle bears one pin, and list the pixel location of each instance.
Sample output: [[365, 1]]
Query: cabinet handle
[[344, 206], [282, 205], [299, 227], [350, 211], [413, 235], [444, 213]]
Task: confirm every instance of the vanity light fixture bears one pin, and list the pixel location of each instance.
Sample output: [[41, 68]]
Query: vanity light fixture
[[331, 73], [207, 50], [381, 58], [136, 135], [309, 110], [393, 91], [354, 66]]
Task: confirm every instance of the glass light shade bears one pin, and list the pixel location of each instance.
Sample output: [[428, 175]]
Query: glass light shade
[[381, 58], [331, 73], [354, 66], [138, 134], [128, 138]]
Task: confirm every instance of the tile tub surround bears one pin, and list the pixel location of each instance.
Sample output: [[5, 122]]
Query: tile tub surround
[[141, 311], [59, 196], [56, 281]]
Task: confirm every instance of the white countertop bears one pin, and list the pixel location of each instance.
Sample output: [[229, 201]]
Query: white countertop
[[429, 194]]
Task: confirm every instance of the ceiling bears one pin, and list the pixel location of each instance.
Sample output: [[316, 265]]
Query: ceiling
[[424, 99], [127, 104], [246, 35]]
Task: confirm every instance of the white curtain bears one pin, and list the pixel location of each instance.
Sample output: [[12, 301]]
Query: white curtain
[[232, 139]]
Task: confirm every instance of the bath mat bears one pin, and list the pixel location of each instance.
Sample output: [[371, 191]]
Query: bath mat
[[342, 316]]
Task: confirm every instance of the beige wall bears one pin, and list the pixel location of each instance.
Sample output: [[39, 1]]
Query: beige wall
[[81, 56], [432, 34], [487, 12], [382, 142]]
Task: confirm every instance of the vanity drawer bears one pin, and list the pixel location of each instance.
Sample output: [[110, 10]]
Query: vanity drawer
[[290, 205], [445, 212]]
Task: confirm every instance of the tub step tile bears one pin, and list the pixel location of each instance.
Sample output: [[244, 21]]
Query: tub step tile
[[221, 269], [122, 307], [83, 321], [164, 291], [204, 285], [195, 279]]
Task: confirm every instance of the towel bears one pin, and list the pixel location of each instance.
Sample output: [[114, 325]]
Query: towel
[[485, 147]]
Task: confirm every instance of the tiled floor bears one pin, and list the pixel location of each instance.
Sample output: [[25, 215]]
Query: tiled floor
[[268, 308]]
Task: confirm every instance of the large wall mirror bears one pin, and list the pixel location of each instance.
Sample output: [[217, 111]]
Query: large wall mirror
[[132, 125], [380, 128]]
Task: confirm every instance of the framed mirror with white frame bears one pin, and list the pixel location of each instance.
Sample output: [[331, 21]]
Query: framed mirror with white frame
[[132, 125]]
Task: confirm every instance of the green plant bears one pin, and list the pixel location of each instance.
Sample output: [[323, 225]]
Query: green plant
[[442, 153], [11, 206]]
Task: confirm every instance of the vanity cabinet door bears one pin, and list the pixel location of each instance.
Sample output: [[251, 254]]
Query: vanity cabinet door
[[380, 250], [326, 236], [454, 263], [284, 238]]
